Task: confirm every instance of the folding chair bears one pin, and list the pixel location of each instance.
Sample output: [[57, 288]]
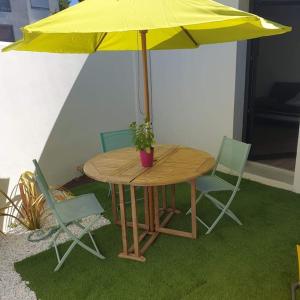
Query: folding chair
[[112, 140], [70, 211], [233, 155], [296, 285]]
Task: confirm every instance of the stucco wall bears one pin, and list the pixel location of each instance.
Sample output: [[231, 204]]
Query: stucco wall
[[33, 89], [101, 99], [54, 106], [193, 94]]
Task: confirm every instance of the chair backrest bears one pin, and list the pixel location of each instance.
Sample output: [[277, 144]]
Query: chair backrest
[[116, 139], [233, 154], [43, 185]]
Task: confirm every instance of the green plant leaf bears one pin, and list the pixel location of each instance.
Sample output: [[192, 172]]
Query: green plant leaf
[[143, 136]]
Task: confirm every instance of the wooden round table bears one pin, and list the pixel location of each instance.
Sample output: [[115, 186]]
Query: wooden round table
[[172, 164]]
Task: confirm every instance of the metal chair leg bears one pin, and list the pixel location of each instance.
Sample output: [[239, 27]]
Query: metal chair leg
[[221, 206], [76, 241], [109, 191], [90, 235], [198, 199]]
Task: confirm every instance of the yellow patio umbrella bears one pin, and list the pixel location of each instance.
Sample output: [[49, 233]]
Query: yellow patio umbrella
[[107, 25]]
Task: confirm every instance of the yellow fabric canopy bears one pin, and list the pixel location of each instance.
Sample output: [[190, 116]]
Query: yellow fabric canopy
[[99, 25], [96, 25]]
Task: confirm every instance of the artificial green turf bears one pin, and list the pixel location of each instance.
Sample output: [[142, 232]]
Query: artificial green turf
[[253, 261]]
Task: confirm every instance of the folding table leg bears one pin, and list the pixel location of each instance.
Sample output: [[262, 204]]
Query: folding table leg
[[146, 207], [151, 209], [123, 219], [173, 205], [156, 209], [193, 209], [164, 197], [134, 222], [113, 204]]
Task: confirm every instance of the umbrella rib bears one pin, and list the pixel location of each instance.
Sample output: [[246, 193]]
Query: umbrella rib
[[188, 34], [101, 40]]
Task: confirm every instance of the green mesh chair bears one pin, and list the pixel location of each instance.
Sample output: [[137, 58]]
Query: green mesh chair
[[233, 155], [113, 140], [68, 212]]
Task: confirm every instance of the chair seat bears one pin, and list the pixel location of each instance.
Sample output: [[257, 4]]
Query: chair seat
[[213, 184], [79, 207]]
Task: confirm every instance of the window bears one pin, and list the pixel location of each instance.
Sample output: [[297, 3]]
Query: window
[[5, 6], [40, 4], [7, 33]]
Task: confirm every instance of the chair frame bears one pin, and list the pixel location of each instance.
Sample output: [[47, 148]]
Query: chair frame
[[224, 208], [63, 227]]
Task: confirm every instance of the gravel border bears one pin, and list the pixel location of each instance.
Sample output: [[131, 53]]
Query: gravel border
[[15, 247]]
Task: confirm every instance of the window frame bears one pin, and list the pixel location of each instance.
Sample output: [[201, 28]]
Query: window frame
[[8, 9], [39, 7]]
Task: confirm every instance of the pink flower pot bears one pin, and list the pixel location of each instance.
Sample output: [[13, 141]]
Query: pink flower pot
[[147, 158]]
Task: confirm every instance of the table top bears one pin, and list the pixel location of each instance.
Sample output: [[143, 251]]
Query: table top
[[172, 164]]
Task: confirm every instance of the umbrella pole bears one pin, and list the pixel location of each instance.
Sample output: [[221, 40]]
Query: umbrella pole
[[146, 79]]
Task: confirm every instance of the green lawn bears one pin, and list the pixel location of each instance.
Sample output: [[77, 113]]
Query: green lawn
[[253, 261]]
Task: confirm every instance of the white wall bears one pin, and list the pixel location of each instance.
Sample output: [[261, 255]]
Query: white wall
[[193, 95], [33, 89], [54, 106], [102, 99]]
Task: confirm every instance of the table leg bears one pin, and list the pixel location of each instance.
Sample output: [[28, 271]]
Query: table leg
[[123, 219], [193, 209], [134, 222], [151, 209], [125, 254], [173, 197], [146, 207], [164, 197], [156, 208], [161, 227], [152, 214], [113, 204]]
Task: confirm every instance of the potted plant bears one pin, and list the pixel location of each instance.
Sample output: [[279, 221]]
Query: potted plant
[[143, 138]]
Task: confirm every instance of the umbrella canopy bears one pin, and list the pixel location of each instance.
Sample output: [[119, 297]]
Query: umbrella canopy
[[96, 25], [99, 25]]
